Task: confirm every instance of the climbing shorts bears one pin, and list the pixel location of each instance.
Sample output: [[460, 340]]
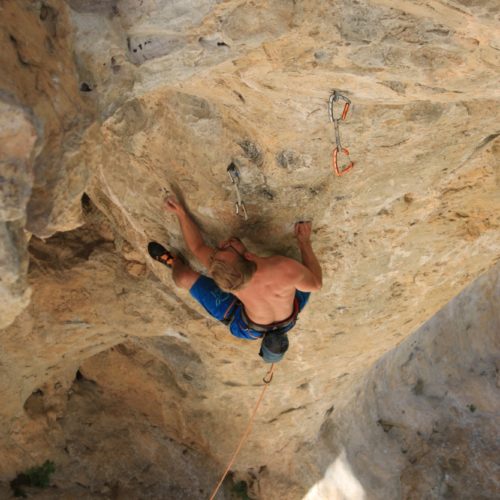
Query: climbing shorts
[[225, 307]]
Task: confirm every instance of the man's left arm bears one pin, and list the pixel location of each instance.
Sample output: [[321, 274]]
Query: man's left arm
[[191, 232]]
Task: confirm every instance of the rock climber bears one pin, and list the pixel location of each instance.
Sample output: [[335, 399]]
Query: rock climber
[[257, 297]]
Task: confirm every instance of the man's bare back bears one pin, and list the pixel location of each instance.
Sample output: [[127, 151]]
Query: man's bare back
[[268, 297]]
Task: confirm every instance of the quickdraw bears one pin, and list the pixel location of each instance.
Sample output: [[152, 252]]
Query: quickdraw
[[234, 175], [347, 163]]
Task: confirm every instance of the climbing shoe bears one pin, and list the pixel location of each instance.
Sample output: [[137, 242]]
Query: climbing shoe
[[160, 253]]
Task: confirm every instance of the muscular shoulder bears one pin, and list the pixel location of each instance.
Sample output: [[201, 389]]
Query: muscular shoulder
[[284, 267], [291, 273]]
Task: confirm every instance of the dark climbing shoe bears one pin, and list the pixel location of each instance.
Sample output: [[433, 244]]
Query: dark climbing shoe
[[160, 253]]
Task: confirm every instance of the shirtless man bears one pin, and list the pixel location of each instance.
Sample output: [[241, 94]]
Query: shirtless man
[[258, 297]]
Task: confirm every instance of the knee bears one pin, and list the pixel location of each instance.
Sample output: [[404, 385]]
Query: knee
[[183, 281], [184, 277]]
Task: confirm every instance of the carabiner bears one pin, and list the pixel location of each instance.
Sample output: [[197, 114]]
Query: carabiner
[[238, 206], [233, 173], [335, 97], [335, 164]]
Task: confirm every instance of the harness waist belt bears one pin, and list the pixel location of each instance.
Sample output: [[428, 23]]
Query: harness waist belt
[[273, 327]]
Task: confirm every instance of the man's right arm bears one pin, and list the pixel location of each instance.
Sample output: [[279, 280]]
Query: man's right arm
[[190, 232]]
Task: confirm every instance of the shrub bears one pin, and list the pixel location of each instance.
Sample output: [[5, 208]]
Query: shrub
[[39, 477]]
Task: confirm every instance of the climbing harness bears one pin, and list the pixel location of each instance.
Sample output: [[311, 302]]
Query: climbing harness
[[336, 97], [278, 326], [267, 380], [234, 175]]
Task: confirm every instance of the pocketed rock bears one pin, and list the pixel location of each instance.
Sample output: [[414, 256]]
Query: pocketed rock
[[83, 307]]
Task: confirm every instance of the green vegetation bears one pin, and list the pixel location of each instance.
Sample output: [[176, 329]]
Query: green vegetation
[[240, 489], [39, 477]]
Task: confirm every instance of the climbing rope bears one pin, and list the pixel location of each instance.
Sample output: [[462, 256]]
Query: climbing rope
[[335, 98], [267, 380]]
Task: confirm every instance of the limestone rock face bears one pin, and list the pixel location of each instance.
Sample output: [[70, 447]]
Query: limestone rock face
[[41, 120], [18, 136], [108, 105], [422, 424]]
